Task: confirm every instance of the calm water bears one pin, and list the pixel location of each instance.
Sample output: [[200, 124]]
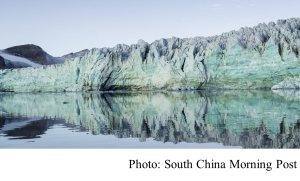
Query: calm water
[[228, 119]]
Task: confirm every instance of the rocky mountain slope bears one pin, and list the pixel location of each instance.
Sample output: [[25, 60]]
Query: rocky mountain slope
[[26, 56], [7, 64], [76, 54], [265, 56], [9, 61], [34, 53]]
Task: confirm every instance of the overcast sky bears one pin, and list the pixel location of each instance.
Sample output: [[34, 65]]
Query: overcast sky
[[64, 26]]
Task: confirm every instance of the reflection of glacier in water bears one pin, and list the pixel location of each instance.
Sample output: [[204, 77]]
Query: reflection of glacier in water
[[251, 119]]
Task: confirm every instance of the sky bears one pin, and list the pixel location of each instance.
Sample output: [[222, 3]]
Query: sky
[[64, 26]]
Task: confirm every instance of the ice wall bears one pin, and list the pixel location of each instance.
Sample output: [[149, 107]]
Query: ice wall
[[265, 56]]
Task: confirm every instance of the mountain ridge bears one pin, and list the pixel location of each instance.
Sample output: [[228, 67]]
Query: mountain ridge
[[33, 53]]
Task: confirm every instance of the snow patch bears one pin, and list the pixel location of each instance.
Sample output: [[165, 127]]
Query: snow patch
[[18, 59]]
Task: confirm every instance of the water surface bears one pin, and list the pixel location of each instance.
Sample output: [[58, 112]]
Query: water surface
[[199, 119]]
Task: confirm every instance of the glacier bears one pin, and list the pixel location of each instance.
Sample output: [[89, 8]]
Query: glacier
[[263, 57]]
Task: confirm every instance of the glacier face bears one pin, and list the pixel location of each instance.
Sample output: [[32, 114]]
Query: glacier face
[[265, 56]]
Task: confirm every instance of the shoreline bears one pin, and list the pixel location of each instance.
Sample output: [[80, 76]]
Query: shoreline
[[152, 91]]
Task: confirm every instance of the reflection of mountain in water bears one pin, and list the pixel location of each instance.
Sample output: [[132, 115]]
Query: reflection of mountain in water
[[2, 122], [26, 128], [258, 119]]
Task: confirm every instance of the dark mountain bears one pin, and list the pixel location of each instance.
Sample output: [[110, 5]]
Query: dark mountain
[[2, 63], [76, 54], [34, 53], [7, 64]]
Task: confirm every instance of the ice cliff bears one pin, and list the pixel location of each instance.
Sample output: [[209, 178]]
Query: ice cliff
[[265, 56]]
